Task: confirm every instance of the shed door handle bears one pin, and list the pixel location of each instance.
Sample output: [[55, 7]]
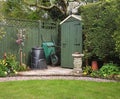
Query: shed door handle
[[64, 44]]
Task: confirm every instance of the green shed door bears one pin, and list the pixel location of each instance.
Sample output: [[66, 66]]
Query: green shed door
[[71, 41]]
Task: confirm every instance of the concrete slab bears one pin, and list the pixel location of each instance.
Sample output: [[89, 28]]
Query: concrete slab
[[50, 71]]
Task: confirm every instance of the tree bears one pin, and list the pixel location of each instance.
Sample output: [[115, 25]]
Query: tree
[[99, 26], [57, 9], [35, 9], [116, 35], [2, 33], [18, 9]]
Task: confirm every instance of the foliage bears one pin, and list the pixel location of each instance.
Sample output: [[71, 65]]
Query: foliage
[[56, 9], [8, 65], [19, 9], [108, 70], [22, 67], [116, 35], [24, 9], [3, 68], [87, 70], [12, 64], [99, 27], [36, 9], [95, 73], [2, 32]]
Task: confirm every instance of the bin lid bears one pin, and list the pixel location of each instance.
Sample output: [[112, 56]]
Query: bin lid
[[37, 48]]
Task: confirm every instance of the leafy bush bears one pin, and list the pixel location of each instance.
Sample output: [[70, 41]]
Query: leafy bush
[[3, 68], [23, 67], [3, 73], [109, 69], [116, 35], [12, 63], [9, 65], [96, 18], [87, 70], [95, 74]]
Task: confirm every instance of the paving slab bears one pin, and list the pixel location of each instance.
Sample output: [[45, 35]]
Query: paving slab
[[50, 71]]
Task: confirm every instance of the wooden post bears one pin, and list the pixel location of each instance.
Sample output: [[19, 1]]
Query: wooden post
[[4, 57], [20, 57]]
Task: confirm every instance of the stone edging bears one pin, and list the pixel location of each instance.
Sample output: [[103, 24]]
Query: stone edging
[[53, 77]]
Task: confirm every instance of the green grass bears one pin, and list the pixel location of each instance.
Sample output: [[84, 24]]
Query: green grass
[[59, 89]]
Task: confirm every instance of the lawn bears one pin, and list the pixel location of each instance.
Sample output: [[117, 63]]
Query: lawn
[[59, 89]]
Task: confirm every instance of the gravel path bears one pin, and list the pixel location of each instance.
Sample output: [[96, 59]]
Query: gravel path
[[21, 78]]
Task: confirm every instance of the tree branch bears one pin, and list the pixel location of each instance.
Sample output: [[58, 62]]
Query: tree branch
[[62, 6]]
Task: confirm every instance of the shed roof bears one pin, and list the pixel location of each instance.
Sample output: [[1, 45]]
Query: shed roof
[[74, 16]]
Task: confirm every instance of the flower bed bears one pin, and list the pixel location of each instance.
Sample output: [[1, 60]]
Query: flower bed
[[9, 66], [109, 71]]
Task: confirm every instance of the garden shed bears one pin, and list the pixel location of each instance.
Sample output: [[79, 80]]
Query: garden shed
[[71, 39]]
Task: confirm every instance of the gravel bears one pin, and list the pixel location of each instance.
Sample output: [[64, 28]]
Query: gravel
[[22, 78]]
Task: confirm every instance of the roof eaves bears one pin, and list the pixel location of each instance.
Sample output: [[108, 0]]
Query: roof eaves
[[74, 16]]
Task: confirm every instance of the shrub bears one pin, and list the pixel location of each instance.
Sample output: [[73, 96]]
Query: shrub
[[3, 68], [87, 70], [95, 73], [11, 61], [96, 18], [108, 70], [23, 67], [9, 65]]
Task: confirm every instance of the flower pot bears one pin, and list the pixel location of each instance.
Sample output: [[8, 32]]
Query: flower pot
[[94, 65]]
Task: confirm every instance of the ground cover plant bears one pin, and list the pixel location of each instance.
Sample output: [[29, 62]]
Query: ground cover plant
[[59, 89], [9, 66], [108, 70]]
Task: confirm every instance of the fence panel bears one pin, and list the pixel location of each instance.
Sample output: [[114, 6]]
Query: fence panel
[[32, 32], [49, 31]]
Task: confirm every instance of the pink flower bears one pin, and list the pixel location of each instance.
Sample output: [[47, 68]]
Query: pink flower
[[19, 41]]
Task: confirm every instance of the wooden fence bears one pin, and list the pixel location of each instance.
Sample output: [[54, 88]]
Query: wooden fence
[[31, 32]]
